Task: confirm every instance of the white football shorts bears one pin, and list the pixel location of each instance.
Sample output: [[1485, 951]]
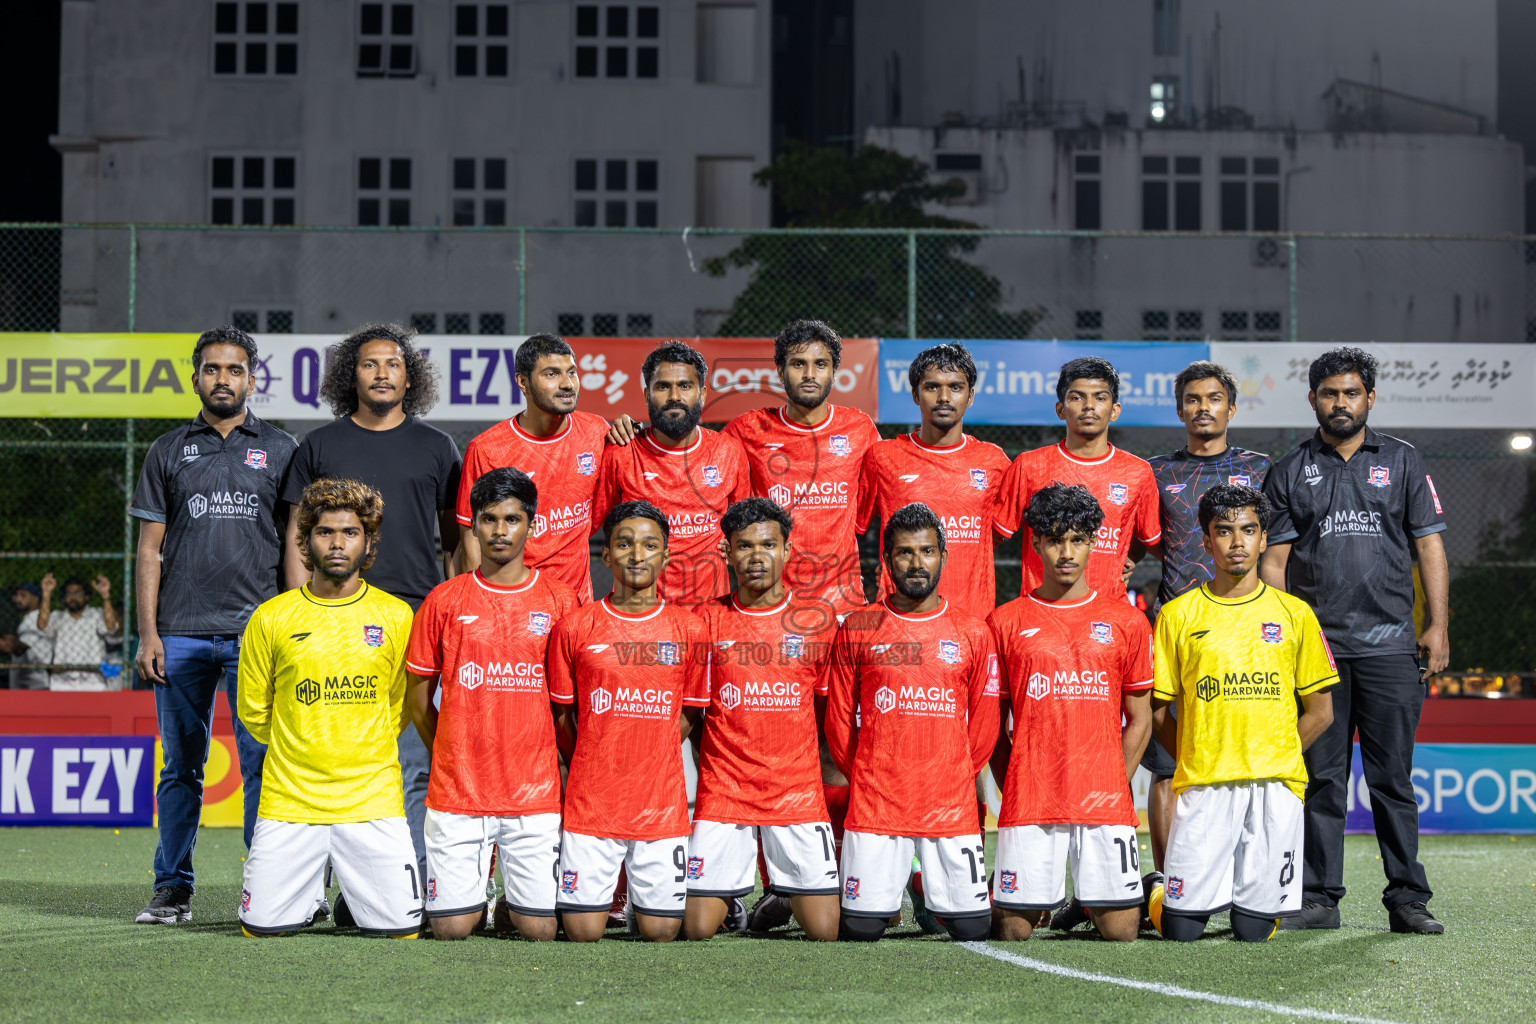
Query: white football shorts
[[722, 859], [876, 869], [1235, 844], [459, 860], [374, 861], [589, 873], [1031, 868]]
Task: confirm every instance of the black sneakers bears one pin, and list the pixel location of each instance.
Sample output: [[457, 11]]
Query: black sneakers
[[735, 915], [1069, 916], [1313, 915], [769, 912], [1415, 919], [173, 903]]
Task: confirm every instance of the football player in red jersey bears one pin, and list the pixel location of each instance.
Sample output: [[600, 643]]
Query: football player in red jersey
[[631, 673], [1076, 663], [495, 769], [911, 719], [692, 474], [1088, 401], [954, 473], [556, 444], [760, 774]]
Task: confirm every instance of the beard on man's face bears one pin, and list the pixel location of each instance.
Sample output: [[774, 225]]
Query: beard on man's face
[[1342, 425], [916, 585], [223, 404], [675, 419]]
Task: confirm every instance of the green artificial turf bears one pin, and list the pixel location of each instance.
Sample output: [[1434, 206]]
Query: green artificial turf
[[70, 952]]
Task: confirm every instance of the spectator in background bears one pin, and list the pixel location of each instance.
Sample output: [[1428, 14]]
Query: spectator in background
[[33, 645], [79, 633]]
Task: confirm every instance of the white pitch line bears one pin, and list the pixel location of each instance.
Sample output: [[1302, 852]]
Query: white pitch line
[[1162, 989]]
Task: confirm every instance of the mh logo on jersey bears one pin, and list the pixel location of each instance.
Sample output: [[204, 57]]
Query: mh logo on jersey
[[602, 700], [1209, 688], [851, 889], [1119, 494], [1008, 881], [471, 675], [1270, 632], [1380, 476], [307, 691], [586, 463], [979, 479], [666, 652], [695, 868], [567, 882], [711, 476], [373, 636], [1100, 632], [197, 505], [793, 645], [949, 652], [730, 696], [779, 495], [255, 458], [538, 623], [839, 444], [885, 699], [1039, 686]]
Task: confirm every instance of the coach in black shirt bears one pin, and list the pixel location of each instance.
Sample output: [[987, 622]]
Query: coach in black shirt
[[209, 553], [1353, 508], [377, 383]]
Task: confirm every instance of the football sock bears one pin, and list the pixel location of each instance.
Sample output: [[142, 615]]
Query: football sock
[[1248, 927], [1180, 928], [967, 929], [861, 929]]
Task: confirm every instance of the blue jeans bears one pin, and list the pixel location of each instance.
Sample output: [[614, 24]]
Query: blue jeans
[[184, 711]]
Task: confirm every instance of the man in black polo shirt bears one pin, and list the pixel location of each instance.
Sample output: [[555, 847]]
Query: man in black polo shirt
[[377, 384], [209, 553], [1353, 508]]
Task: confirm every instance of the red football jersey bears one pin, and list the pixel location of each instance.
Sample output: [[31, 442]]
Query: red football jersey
[[813, 472], [494, 753], [760, 764], [693, 486], [629, 676], [1066, 666], [564, 468], [1125, 488], [925, 690], [960, 483]]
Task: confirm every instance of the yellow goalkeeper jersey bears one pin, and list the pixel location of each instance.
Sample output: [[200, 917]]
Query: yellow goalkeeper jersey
[[322, 683], [1235, 669]]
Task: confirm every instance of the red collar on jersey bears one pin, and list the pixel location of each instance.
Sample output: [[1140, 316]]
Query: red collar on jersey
[[940, 610], [1061, 446], [944, 449], [608, 607], [486, 584], [823, 425], [1057, 605], [531, 439], [645, 438], [736, 605]]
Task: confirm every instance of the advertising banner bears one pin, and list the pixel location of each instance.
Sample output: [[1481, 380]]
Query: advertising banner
[[77, 780], [1016, 380], [1460, 787], [148, 375], [1416, 385]]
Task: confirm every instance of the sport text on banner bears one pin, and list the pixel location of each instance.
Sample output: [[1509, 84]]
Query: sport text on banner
[[1460, 787], [77, 780]]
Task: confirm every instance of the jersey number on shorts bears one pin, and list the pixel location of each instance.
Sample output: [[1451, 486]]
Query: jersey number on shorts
[[826, 843], [410, 869], [1288, 869], [1128, 861], [680, 860], [977, 859]]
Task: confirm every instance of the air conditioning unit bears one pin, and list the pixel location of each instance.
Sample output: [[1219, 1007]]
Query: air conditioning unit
[[964, 168], [1270, 252]]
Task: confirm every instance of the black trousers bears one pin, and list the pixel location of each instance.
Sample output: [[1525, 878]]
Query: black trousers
[[1381, 697]]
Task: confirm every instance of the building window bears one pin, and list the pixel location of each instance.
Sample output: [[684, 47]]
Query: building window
[[279, 321], [1250, 193], [1172, 325], [1259, 325], [1090, 325], [1163, 110], [605, 325], [460, 323], [479, 191], [1170, 193], [386, 40], [727, 44], [572, 325], [424, 323], [618, 41], [384, 191], [1165, 28], [616, 193], [480, 39], [1086, 215], [256, 37], [252, 189]]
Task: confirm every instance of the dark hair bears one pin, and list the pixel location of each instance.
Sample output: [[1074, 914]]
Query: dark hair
[[74, 581], [339, 386], [226, 335], [804, 332], [535, 346], [910, 519], [1059, 509], [949, 356], [327, 495], [634, 510], [1205, 370], [674, 352], [1343, 360], [749, 511], [497, 485], [1088, 368], [1224, 500]]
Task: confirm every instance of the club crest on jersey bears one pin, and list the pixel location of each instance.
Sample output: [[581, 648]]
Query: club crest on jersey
[[586, 463], [695, 868], [1174, 488], [711, 476], [851, 889], [1380, 476], [979, 479], [839, 444], [255, 458], [431, 889], [666, 652], [373, 636], [1270, 632], [1241, 478], [949, 652], [538, 623], [567, 882], [793, 645], [1100, 632], [1008, 881], [1175, 887], [1119, 494]]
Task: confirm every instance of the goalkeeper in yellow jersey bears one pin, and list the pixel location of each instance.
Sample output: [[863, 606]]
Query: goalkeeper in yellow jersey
[[1235, 655], [323, 686]]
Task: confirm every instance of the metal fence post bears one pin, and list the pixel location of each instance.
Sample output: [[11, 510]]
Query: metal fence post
[[911, 284], [127, 602], [522, 280], [133, 283], [1290, 283]]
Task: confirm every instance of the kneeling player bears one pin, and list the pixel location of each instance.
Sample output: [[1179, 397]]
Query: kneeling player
[[760, 772], [1235, 654], [634, 666], [495, 769], [1076, 662], [322, 684], [921, 677]]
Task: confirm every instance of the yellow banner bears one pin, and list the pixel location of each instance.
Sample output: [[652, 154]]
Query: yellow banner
[[223, 801], [102, 375]]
